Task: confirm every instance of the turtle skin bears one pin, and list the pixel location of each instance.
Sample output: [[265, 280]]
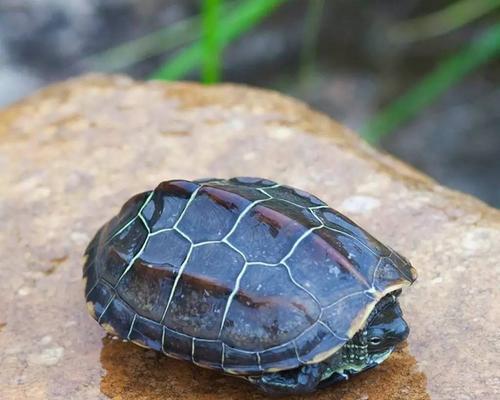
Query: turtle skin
[[243, 275]]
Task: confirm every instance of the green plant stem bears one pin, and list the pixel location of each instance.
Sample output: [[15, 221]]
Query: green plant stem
[[312, 25], [237, 22], [434, 84], [443, 21], [137, 50], [155, 43], [211, 50]]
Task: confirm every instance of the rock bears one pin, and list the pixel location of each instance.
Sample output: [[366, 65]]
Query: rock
[[72, 154], [50, 356]]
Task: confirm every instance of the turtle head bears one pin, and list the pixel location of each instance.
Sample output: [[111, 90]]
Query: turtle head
[[384, 329]]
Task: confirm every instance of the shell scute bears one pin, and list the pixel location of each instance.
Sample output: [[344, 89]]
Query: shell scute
[[116, 266], [147, 288], [167, 203], [167, 248], [252, 182], [251, 194], [129, 240], [334, 220], [176, 344], [120, 249], [207, 353], [269, 230], [90, 274], [198, 305], [245, 362], [340, 317], [147, 333], [128, 213], [100, 296], [279, 358], [295, 196], [279, 310], [220, 212], [119, 316], [314, 342], [317, 265], [403, 266], [391, 270]]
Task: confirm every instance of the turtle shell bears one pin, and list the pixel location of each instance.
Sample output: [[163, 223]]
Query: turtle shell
[[241, 275]]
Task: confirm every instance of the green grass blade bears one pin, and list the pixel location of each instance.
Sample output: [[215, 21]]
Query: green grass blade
[[434, 84], [240, 20], [155, 43], [211, 51], [454, 16], [310, 37]]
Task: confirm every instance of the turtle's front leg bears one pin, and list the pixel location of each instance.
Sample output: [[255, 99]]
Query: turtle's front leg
[[300, 380], [336, 377]]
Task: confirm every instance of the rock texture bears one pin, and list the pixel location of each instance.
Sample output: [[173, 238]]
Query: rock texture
[[72, 154]]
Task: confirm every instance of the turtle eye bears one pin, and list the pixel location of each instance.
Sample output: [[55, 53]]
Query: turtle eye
[[375, 340]]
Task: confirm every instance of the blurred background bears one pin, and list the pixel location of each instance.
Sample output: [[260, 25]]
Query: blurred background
[[420, 79]]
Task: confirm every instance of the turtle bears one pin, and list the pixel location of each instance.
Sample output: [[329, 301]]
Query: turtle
[[250, 278]]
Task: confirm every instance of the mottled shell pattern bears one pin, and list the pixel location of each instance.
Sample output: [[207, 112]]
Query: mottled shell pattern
[[242, 275]]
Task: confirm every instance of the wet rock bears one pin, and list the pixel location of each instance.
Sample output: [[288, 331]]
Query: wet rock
[[75, 152]]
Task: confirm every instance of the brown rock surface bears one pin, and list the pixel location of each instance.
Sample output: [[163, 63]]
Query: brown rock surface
[[71, 155]]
